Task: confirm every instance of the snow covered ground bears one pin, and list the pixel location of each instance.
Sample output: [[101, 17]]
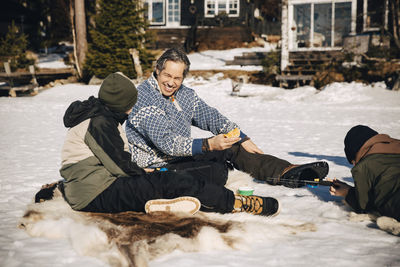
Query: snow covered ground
[[52, 61], [53, 57], [300, 125], [217, 59]]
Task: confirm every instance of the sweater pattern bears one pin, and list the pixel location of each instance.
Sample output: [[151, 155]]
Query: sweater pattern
[[158, 131]]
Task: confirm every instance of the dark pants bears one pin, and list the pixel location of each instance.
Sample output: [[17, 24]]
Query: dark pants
[[262, 167], [131, 193], [212, 171], [202, 176]]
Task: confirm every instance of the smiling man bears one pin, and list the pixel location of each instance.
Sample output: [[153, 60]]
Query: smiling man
[[159, 133], [171, 78]]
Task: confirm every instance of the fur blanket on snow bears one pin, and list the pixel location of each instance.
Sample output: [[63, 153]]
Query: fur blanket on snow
[[132, 238]]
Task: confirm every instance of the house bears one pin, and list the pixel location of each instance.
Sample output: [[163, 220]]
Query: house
[[214, 23], [318, 30]]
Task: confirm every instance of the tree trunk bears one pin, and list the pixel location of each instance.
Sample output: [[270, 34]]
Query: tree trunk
[[136, 62], [72, 15], [383, 24], [80, 27], [284, 36], [394, 8]]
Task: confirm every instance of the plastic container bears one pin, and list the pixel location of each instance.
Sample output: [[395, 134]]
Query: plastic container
[[245, 191]]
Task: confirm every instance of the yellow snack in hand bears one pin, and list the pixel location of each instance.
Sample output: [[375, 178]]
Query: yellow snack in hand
[[234, 133]]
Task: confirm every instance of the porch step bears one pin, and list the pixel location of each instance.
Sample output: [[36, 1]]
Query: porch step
[[299, 72], [294, 77], [317, 55], [248, 58], [303, 65]]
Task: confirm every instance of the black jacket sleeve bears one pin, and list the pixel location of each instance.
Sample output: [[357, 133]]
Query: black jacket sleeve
[[110, 146], [352, 201]]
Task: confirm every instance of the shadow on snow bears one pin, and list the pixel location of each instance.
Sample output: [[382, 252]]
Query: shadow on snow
[[342, 161]]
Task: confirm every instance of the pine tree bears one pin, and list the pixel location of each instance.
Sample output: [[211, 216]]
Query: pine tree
[[13, 48], [119, 26]]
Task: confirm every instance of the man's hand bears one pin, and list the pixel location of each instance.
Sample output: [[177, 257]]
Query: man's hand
[[339, 188], [250, 147], [220, 142]]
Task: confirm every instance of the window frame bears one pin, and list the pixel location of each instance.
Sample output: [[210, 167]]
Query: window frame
[[312, 3], [150, 12], [227, 10], [366, 27]]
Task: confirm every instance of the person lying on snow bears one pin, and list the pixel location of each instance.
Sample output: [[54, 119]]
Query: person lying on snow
[[376, 173], [159, 132], [99, 175]]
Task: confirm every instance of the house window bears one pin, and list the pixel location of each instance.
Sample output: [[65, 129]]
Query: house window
[[215, 7], [234, 7], [210, 8], [373, 14], [302, 24], [342, 22], [320, 24], [173, 11], [155, 11]]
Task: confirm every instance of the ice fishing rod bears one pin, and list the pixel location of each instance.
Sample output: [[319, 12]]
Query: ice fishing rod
[[310, 183]]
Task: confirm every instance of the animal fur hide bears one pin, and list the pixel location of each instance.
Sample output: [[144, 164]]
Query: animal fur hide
[[133, 239]]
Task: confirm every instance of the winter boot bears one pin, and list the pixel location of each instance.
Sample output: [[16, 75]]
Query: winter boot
[[295, 175], [49, 191], [257, 205], [180, 204]]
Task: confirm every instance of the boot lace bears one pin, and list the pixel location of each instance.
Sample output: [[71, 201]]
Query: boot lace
[[251, 204]]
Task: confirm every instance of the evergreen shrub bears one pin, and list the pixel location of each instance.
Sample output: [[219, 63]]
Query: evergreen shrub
[[13, 49], [118, 26]]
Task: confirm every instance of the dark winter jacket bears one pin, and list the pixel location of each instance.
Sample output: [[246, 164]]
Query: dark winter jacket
[[377, 177], [95, 152]]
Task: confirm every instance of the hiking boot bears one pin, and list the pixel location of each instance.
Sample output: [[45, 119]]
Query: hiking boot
[[48, 191], [180, 204], [293, 175], [266, 206]]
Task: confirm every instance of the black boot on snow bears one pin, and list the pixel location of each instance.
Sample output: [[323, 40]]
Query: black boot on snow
[[47, 191], [294, 174]]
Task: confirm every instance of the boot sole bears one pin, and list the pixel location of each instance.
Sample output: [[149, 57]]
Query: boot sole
[[321, 168], [276, 212], [189, 205], [318, 169]]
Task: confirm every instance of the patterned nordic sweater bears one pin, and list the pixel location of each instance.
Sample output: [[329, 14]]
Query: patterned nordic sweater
[[159, 128]]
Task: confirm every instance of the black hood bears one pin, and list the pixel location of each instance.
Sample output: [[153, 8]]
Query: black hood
[[79, 111]]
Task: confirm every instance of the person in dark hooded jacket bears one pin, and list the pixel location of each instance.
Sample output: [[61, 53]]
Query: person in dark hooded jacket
[[99, 175], [376, 172]]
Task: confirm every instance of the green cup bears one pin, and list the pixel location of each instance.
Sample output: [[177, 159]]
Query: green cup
[[245, 191]]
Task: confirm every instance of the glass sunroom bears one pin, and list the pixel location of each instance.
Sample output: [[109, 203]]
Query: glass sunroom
[[320, 24]]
